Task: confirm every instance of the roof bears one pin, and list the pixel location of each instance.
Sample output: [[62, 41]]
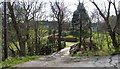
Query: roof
[[93, 24], [49, 22]]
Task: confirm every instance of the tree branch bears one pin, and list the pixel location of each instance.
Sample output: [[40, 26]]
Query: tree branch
[[99, 10], [108, 14]]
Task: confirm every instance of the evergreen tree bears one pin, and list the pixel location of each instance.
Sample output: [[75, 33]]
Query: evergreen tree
[[78, 14], [80, 22]]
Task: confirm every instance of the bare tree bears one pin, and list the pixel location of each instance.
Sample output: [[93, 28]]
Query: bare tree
[[95, 18], [37, 9], [111, 31], [58, 10], [22, 11], [26, 13], [17, 29]]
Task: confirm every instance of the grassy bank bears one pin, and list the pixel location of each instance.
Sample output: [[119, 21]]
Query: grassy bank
[[103, 42], [13, 61], [96, 53]]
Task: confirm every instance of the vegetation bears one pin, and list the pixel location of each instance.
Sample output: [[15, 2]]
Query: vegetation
[[80, 22], [9, 62], [102, 44], [96, 53], [112, 31]]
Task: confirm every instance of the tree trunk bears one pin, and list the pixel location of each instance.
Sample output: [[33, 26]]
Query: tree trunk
[[59, 35], [36, 41], [80, 37], [54, 38], [90, 48], [12, 51], [40, 44], [84, 44], [114, 40], [5, 34], [19, 34], [22, 47], [112, 35], [27, 36], [32, 48], [16, 46], [108, 44]]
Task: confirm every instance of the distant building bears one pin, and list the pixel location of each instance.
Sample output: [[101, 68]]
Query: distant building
[[52, 25], [49, 24], [43, 24], [94, 27]]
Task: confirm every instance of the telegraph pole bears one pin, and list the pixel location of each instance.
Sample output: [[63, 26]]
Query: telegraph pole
[[5, 33]]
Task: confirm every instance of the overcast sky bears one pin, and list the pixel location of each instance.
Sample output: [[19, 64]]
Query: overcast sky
[[88, 5], [72, 5]]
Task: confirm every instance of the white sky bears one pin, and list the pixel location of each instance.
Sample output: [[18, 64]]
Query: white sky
[[72, 5]]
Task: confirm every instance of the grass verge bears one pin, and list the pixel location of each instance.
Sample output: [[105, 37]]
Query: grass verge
[[13, 61]]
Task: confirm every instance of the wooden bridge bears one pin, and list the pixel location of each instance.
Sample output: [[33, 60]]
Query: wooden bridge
[[70, 39]]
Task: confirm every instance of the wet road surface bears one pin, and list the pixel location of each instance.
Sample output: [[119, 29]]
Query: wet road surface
[[61, 59]]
